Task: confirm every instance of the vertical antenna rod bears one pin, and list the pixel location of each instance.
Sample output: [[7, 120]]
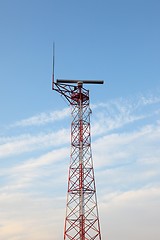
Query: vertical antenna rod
[[53, 62]]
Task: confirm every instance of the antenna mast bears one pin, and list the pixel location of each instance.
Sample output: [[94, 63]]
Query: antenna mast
[[53, 62], [82, 219]]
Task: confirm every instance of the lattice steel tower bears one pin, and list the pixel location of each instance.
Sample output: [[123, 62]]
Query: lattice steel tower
[[81, 220]]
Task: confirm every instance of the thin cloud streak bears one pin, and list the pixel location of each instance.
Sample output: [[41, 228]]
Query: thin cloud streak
[[119, 149], [27, 143], [121, 112], [24, 175], [43, 118]]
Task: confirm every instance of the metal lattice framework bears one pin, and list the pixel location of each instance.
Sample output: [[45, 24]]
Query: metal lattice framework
[[82, 220]]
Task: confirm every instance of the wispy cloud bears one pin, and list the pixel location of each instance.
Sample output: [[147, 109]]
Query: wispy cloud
[[23, 175], [27, 143], [43, 118], [118, 113]]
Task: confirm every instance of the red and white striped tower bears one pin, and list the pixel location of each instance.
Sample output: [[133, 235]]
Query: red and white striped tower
[[82, 220]]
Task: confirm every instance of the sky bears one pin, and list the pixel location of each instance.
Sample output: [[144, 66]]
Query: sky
[[115, 41]]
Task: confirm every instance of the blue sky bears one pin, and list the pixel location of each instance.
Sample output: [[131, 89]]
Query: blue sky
[[117, 41]]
